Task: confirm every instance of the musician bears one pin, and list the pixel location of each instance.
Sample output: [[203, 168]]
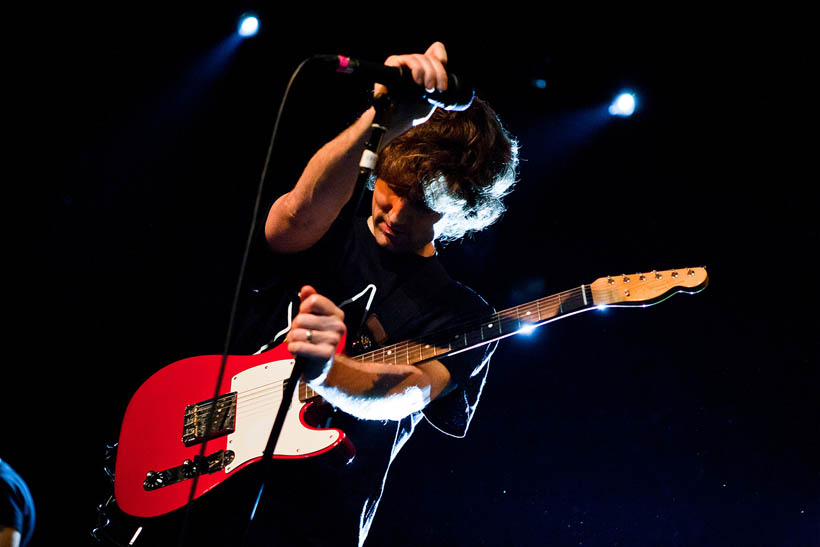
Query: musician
[[377, 278]]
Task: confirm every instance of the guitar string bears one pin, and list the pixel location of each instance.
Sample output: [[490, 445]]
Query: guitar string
[[504, 318], [515, 315]]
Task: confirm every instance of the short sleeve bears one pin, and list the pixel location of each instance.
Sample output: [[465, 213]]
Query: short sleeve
[[16, 504], [11, 513], [452, 412]]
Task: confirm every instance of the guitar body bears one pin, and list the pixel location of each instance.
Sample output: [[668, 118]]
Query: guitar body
[[165, 425]]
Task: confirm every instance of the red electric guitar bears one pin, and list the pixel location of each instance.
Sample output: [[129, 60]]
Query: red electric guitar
[[174, 412]]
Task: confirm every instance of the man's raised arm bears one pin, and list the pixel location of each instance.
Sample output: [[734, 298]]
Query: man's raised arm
[[301, 217], [298, 219]]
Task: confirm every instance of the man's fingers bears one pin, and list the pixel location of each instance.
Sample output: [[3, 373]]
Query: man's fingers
[[316, 351], [309, 321], [428, 70], [438, 51], [315, 303], [329, 338]]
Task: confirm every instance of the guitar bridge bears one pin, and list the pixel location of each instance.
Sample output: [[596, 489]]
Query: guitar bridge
[[188, 470], [209, 419]]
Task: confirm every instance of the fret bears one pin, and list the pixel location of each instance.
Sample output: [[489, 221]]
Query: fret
[[454, 340], [492, 327], [390, 355], [527, 316], [474, 337]]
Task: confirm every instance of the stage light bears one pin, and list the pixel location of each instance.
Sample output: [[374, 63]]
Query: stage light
[[623, 105], [248, 25], [526, 329], [539, 83]]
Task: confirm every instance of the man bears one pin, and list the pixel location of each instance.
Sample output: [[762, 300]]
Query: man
[[436, 180]]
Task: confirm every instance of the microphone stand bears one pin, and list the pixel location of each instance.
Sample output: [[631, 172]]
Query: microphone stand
[[366, 165]]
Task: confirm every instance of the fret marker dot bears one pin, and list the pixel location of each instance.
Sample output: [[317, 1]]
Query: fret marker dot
[[389, 352], [490, 326], [528, 313]]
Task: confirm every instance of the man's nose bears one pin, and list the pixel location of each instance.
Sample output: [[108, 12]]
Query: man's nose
[[400, 212]]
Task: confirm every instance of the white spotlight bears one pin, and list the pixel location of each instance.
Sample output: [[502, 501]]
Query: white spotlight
[[248, 25], [623, 105]]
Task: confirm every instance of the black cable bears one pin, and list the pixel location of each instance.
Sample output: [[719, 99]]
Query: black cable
[[238, 290]]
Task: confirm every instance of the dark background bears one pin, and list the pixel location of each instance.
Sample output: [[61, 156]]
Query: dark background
[[695, 422]]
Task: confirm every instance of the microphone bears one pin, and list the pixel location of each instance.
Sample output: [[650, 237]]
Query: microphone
[[458, 95]]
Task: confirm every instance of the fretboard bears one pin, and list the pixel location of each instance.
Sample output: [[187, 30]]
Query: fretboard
[[480, 331]]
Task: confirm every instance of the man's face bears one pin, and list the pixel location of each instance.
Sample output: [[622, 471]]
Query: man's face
[[401, 225]]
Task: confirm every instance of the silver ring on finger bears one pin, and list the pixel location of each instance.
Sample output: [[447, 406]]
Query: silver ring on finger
[[309, 336]]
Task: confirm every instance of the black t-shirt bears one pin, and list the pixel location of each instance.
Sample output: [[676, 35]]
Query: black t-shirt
[[316, 500], [16, 503]]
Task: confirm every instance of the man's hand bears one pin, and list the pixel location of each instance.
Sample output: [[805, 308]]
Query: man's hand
[[316, 331], [428, 70], [367, 390]]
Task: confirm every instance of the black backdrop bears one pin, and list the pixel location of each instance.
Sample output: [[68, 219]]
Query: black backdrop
[[139, 149]]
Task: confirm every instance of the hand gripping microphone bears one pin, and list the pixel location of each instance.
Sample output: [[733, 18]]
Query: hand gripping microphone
[[458, 96]]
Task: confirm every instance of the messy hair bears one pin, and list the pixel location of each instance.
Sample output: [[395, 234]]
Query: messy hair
[[459, 164]]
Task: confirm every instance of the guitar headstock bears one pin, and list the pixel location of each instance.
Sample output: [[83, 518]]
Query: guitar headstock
[[643, 289]]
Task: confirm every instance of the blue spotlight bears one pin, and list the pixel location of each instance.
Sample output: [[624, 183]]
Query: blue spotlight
[[623, 105], [248, 25], [526, 329]]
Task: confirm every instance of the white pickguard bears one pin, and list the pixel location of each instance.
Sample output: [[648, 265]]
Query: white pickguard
[[259, 394]]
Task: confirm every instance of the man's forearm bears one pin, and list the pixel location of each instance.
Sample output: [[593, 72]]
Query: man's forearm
[[302, 216], [376, 391]]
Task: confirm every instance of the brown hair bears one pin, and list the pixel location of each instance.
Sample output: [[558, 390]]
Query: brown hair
[[458, 163]]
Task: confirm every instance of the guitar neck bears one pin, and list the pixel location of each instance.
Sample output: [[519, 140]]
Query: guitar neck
[[483, 330], [627, 290]]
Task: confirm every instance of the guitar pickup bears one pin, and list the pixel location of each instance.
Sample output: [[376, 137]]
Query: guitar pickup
[[209, 419], [188, 470]]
